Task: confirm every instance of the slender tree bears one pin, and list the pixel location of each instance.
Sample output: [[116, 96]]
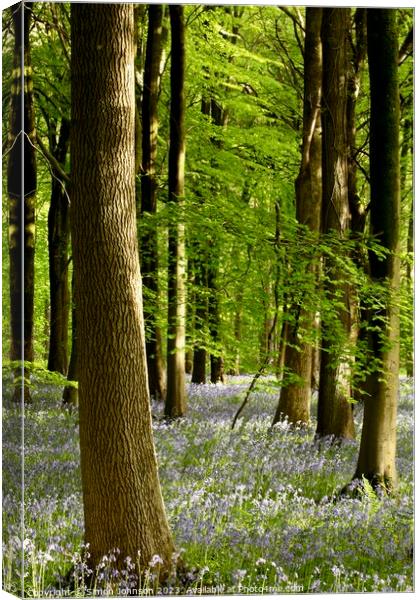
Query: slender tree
[[175, 404], [218, 116], [21, 187], [358, 55], [70, 392], [122, 500], [295, 397], [201, 314], [58, 240], [378, 444], [335, 415], [217, 368], [406, 162], [358, 211], [149, 236]]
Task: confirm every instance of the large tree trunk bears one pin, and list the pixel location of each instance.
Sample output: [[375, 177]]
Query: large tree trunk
[[58, 239], [149, 234], [175, 405], [122, 499], [21, 188], [295, 397], [378, 444], [335, 415]]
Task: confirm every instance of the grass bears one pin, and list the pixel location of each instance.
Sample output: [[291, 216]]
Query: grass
[[251, 510]]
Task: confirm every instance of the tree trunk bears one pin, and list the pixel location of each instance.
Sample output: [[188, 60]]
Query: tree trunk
[[237, 332], [378, 444], [201, 316], [199, 366], [21, 188], [175, 405], [295, 397], [149, 234], [335, 415], [406, 163], [189, 312], [358, 212], [219, 117], [58, 239], [70, 393], [122, 499], [281, 356], [217, 374], [409, 362]]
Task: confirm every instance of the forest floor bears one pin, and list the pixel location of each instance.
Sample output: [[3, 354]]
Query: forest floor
[[252, 511]]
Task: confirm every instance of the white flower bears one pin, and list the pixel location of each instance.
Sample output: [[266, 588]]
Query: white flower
[[336, 571], [156, 560], [28, 545]]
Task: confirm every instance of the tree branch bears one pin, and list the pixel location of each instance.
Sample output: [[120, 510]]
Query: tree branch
[[294, 18], [406, 48], [55, 165]]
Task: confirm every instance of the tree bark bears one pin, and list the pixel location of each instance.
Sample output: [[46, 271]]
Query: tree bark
[[175, 405], [21, 188], [295, 397], [149, 234], [335, 415], [58, 239], [123, 506], [378, 444]]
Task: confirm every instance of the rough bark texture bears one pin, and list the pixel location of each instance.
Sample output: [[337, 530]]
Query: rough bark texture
[[295, 398], [122, 500], [378, 444], [149, 236], [335, 415], [21, 188], [58, 240], [175, 405]]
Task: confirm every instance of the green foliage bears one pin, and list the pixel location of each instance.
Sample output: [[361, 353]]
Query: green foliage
[[36, 374], [248, 61]]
